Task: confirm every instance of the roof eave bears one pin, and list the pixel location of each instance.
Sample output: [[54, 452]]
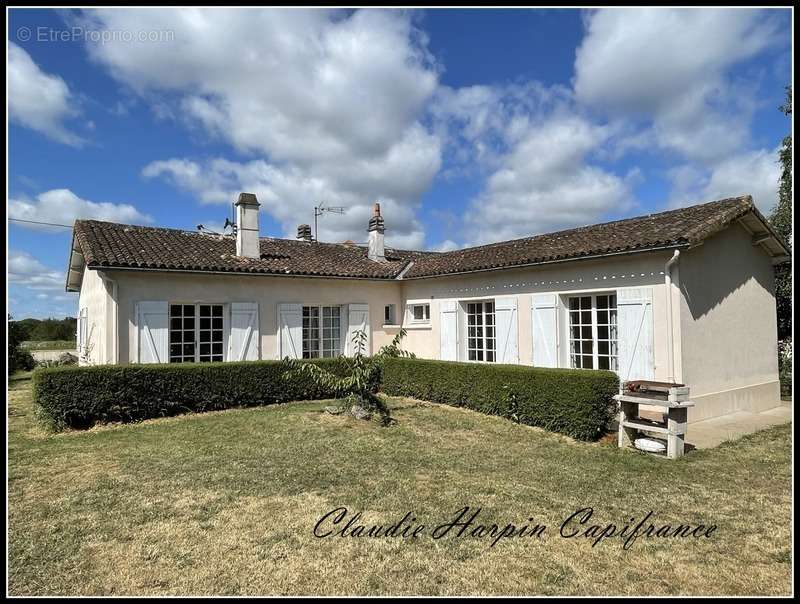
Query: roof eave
[[670, 246], [75, 267]]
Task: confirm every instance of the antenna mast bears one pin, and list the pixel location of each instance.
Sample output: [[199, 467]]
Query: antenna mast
[[322, 209]]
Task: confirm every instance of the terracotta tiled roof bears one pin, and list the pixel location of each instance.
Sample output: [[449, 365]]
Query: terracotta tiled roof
[[683, 226], [105, 244]]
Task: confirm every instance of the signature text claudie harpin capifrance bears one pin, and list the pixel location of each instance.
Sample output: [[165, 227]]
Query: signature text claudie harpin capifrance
[[468, 523]]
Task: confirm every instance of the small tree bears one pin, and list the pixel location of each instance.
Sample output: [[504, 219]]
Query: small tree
[[19, 359], [362, 375], [781, 221]]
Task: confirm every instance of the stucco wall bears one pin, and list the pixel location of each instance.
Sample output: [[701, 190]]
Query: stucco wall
[[268, 292], [729, 325], [608, 274], [93, 296]]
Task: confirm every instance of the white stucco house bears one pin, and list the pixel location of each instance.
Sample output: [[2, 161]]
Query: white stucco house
[[683, 296]]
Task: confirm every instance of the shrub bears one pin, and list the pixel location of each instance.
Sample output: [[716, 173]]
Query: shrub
[[19, 359], [785, 366], [357, 378], [574, 402], [79, 397]]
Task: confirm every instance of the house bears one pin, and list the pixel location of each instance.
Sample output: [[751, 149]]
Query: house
[[685, 295]]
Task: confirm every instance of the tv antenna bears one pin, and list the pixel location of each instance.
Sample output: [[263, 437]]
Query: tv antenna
[[323, 209], [228, 223]]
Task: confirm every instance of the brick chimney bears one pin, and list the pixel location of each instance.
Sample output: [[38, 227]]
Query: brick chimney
[[376, 230], [247, 235]]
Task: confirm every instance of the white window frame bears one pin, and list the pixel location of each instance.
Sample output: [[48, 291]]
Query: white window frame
[[485, 350], [390, 309], [320, 339], [613, 343], [426, 313], [197, 355]]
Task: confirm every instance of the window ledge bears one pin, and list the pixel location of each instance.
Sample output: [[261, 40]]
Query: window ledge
[[390, 326], [418, 326]]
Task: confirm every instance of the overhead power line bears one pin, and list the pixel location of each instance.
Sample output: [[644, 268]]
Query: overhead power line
[[66, 226]]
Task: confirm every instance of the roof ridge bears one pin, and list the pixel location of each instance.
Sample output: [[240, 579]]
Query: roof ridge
[[599, 224]]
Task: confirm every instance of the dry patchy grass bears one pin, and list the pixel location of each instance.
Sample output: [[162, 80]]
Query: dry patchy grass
[[225, 503]]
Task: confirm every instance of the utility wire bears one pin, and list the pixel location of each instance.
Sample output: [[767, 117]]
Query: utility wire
[[66, 226]]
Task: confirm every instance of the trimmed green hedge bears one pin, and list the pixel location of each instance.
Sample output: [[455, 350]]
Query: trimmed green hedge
[[574, 402], [79, 397]]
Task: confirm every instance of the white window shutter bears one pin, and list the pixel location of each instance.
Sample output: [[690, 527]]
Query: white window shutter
[[243, 340], [152, 320], [544, 322], [290, 328], [357, 320], [81, 331], [448, 330], [505, 310], [635, 333]]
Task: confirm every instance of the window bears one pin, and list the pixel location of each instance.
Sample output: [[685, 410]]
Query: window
[[593, 331], [388, 314], [196, 333], [420, 313], [481, 341], [322, 335]]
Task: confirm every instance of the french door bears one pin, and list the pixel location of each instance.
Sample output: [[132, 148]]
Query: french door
[[593, 331], [481, 337], [196, 333]]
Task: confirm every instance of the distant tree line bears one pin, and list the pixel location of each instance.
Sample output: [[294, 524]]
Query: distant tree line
[[40, 330]]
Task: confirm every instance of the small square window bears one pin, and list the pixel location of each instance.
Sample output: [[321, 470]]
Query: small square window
[[388, 314], [421, 313]]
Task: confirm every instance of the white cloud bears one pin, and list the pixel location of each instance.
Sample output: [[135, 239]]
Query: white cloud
[[671, 67], [62, 206], [289, 195], [546, 183], [645, 60], [27, 271], [539, 153], [38, 100], [330, 103], [448, 245], [754, 173]]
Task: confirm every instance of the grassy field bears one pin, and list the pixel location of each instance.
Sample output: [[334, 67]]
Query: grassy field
[[49, 345], [226, 503]]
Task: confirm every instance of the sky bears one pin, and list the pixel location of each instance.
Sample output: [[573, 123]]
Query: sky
[[468, 126]]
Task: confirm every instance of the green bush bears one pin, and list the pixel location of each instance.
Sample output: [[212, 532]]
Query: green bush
[[574, 402], [79, 397], [19, 359]]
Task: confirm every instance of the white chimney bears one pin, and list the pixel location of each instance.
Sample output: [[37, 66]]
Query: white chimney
[[247, 236], [375, 231]]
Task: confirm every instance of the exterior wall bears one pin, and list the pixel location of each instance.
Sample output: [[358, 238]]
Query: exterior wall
[[94, 298], [724, 321], [600, 275], [268, 292], [729, 326]]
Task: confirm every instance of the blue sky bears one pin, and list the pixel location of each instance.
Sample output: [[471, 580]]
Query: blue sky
[[469, 126]]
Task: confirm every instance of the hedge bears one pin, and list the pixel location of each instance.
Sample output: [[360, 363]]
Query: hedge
[[79, 397], [574, 402]]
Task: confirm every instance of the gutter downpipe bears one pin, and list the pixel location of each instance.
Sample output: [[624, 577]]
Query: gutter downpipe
[[114, 315], [670, 329]]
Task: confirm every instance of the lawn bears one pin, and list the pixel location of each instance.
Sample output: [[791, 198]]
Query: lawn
[[49, 345], [227, 502]]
